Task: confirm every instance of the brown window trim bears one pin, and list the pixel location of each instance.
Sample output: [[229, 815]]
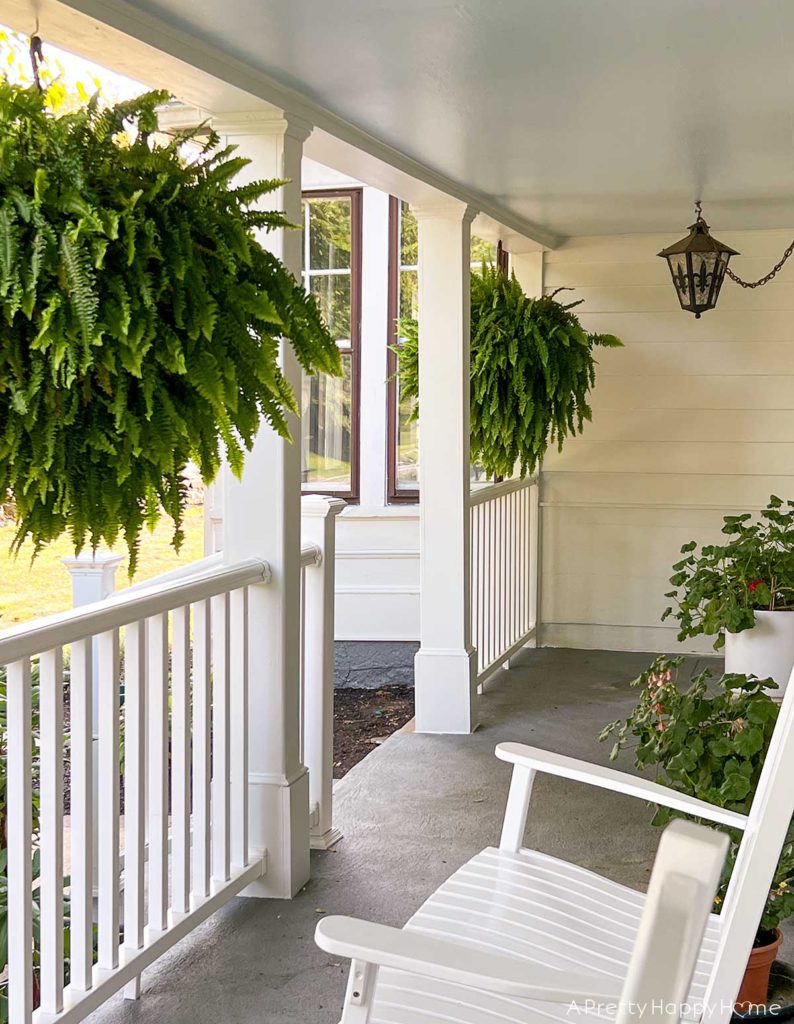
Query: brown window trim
[[394, 496], [355, 195]]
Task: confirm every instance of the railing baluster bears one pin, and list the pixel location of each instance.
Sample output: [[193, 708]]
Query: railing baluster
[[51, 829], [221, 853], [201, 747], [302, 671], [134, 790], [238, 665], [180, 760], [157, 626], [534, 555], [108, 803], [516, 502], [20, 830], [81, 903]]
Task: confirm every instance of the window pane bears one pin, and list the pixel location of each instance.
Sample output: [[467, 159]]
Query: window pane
[[407, 468], [332, 292], [409, 237], [330, 233], [326, 430], [409, 294], [482, 252]]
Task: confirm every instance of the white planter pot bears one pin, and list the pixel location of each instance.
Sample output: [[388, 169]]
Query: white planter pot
[[765, 651]]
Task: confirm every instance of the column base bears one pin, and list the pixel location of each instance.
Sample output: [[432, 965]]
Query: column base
[[326, 840], [278, 821], [446, 691]]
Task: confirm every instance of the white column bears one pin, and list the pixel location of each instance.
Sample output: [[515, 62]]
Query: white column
[[318, 528], [373, 363], [445, 667], [262, 518]]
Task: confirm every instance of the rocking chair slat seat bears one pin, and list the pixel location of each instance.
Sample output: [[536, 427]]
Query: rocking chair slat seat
[[532, 907]]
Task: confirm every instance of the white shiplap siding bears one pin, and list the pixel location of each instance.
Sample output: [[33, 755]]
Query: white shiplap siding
[[692, 420]]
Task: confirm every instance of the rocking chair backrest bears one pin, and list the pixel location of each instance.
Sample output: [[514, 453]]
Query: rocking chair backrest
[[759, 852], [685, 877]]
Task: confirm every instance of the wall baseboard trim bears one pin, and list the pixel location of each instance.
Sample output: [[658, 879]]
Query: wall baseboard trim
[[600, 637]]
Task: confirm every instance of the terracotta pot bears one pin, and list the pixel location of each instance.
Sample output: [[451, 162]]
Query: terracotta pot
[[755, 984]]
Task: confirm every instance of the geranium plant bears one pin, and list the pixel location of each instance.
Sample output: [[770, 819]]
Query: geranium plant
[[709, 743], [718, 587], [141, 317], [532, 368]]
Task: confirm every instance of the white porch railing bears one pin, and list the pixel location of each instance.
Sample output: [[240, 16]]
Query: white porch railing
[[504, 570], [185, 838], [158, 711]]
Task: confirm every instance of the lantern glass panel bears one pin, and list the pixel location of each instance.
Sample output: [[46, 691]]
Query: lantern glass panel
[[704, 266], [678, 269]]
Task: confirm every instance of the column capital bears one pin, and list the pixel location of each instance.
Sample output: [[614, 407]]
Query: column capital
[[262, 122], [445, 209], [175, 117]]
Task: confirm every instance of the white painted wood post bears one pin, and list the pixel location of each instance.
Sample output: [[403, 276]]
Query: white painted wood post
[[93, 579], [318, 516], [446, 664], [262, 519]]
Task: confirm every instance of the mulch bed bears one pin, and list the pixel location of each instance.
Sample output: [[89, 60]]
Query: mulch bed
[[365, 718]]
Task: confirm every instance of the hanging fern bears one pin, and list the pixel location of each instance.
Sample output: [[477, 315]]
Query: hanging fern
[[139, 318], [532, 368]]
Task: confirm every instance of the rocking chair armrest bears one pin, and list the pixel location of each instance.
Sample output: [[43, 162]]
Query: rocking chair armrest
[[407, 950], [537, 759]]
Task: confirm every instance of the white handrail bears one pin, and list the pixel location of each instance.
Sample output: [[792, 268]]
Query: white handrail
[[182, 572], [480, 493], [43, 634], [311, 555]]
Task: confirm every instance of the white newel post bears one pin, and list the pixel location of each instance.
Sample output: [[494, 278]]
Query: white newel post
[[318, 527], [446, 665], [93, 579], [262, 518]]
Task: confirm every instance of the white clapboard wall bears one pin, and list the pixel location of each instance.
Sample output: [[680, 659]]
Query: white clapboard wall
[[692, 420]]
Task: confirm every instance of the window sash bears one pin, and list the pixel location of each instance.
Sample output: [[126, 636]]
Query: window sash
[[350, 348]]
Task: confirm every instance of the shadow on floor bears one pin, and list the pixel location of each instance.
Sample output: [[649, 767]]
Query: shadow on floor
[[411, 813]]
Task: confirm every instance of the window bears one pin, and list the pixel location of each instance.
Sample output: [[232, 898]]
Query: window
[[403, 430], [332, 273]]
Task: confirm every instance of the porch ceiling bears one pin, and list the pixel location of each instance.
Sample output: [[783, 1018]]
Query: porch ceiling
[[578, 117]]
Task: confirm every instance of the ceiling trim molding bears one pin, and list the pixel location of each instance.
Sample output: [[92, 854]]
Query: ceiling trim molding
[[204, 58]]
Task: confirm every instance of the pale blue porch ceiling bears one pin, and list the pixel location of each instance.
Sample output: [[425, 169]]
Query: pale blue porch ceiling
[[582, 116]]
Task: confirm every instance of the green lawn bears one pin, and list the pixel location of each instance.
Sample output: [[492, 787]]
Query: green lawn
[[27, 591]]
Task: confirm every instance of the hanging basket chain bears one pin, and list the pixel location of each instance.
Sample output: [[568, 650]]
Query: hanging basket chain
[[767, 277], [36, 59]]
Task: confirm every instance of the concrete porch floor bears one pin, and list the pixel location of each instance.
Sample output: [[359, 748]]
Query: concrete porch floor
[[412, 812]]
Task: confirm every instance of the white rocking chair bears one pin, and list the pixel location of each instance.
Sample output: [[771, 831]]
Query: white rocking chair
[[556, 917], [402, 976]]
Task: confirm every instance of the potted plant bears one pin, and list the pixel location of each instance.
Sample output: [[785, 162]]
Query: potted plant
[[710, 743], [532, 368], [742, 592]]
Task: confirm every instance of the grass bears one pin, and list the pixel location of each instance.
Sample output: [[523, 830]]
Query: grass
[[28, 591]]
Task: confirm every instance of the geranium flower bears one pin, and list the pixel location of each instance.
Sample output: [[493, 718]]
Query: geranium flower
[[754, 585]]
